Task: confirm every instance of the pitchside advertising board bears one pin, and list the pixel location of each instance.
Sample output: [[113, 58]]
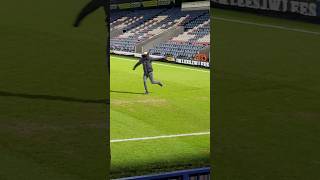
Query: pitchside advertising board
[[193, 63], [303, 7], [171, 59]]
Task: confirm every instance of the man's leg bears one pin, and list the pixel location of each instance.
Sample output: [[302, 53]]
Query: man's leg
[[145, 83], [154, 81]]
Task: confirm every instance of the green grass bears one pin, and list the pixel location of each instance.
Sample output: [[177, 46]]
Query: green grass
[[181, 106], [266, 99], [48, 70]]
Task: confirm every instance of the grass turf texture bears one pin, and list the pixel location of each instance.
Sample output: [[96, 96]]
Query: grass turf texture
[[181, 106], [49, 71], [266, 99]]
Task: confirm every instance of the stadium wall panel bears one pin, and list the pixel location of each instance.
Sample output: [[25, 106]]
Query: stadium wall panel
[[115, 33], [160, 38]]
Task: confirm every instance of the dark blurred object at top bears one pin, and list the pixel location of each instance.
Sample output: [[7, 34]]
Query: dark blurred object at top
[[89, 8]]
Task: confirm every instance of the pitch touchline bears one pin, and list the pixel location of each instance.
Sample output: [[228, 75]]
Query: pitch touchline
[[159, 137], [168, 65], [267, 25]]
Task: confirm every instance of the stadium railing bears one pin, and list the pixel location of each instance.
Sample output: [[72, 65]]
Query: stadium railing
[[191, 174]]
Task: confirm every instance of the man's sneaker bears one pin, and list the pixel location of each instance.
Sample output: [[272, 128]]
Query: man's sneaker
[[146, 92]]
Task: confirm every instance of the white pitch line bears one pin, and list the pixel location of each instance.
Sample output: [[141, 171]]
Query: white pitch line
[[159, 137], [207, 71], [267, 25]]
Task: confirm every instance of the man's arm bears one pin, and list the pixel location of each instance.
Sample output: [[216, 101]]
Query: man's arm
[[157, 58], [89, 8], [136, 65]]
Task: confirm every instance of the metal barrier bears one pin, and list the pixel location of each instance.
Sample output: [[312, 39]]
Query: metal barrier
[[191, 174]]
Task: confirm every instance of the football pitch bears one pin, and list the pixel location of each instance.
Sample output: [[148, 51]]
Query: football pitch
[[165, 130], [266, 97], [52, 94]]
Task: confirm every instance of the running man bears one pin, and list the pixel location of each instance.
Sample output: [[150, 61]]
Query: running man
[[146, 61]]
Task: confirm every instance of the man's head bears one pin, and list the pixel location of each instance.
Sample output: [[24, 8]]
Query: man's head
[[145, 54]]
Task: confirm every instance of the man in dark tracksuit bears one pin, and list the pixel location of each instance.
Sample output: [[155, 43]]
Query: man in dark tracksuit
[[146, 61]]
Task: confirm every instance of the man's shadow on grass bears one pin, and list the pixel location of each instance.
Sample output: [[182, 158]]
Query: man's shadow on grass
[[125, 92], [54, 98]]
